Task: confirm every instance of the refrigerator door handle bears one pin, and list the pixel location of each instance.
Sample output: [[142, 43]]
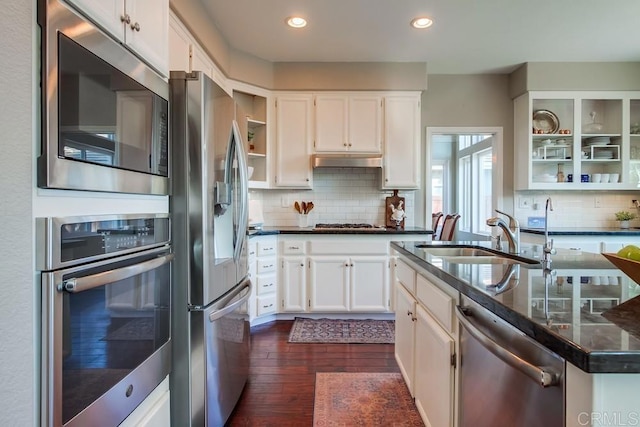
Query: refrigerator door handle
[[243, 220], [230, 308]]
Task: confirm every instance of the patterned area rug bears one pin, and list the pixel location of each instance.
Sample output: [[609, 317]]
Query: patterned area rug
[[363, 399], [133, 330], [342, 331]]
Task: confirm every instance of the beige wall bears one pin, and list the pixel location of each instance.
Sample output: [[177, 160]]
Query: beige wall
[[19, 297], [350, 76], [472, 100], [575, 76]]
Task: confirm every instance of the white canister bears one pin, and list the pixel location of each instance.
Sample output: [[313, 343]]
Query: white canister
[[614, 177], [605, 177], [596, 177]]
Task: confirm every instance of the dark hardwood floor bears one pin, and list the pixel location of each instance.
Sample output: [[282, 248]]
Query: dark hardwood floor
[[281, 385]]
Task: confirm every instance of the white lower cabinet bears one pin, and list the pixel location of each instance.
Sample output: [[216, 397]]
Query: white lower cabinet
[[434, 374], [293, 284], [263, 259], [426, 342], [342, 282], [405, 334]]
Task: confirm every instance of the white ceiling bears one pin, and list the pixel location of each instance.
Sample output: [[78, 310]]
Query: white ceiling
[[468, 36]]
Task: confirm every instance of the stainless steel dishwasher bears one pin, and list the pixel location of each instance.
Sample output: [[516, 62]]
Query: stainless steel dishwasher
[[506, 378]]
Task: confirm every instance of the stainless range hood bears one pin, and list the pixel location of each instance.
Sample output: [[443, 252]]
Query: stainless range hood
[[347, 161]]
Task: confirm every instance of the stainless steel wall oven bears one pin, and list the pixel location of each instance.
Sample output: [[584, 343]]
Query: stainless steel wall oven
[[106, 315], [105, 112]]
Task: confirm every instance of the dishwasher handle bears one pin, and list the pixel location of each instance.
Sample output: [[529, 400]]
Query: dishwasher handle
[[540, 374]]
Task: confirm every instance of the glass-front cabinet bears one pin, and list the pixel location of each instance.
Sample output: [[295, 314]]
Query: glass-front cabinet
[[577, 140]]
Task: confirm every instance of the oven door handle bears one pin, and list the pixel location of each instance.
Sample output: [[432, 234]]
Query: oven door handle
[[540, 374], [230, 308], [79, 284]]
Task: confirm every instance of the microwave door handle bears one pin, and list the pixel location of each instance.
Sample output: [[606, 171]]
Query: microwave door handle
[[79, 284], [243, 220], [230, 308]]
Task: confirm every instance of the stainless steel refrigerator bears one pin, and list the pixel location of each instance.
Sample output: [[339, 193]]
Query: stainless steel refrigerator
[[208, 204]]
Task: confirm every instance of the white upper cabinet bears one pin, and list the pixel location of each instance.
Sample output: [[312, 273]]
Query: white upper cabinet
[[293, 141], [142, 25], [179, 46], [401, 167], [348, 123], [577, 140]]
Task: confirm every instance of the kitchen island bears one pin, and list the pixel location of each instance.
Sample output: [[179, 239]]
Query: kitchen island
[[565, 315]]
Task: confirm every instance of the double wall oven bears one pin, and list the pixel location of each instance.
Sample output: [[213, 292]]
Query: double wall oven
[[106, 315]]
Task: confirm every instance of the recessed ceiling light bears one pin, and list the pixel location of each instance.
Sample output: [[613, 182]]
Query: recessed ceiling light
[[422, 22], [296, 22]]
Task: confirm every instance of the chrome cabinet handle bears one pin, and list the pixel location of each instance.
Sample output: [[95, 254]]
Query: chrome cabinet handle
[[541, 375], [135, 26], [125, 18]]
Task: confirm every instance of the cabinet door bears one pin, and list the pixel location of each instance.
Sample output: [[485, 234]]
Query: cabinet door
[[365, 124], [369, 283], [293, 141], [434, 381], [179, 46], [328, 284], [405, 334], [148, 31], [106, 13], [331, 113], [401, 141], [293, 284]]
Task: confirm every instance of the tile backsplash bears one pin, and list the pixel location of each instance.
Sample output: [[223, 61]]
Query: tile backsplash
[[584, 209], [339, 195]]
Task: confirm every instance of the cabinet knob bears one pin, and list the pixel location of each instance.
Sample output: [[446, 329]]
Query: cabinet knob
[[135, 26], [307, 180], [345, 144], [125, 18], [409, 313], [301, 265], [350, 144]]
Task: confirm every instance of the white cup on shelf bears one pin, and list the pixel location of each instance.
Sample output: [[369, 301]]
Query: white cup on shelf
[[596, 177], [606, 177], [614, 177]]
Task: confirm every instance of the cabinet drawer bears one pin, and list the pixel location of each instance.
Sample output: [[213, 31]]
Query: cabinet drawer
[[265, 265], [266, 304], [349, 247], [266, 248], [265, 283], [406, 275], [436, 301], [293, 247]]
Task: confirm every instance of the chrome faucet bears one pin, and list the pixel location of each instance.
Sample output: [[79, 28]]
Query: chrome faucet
[[509, 280], [511, 231], [547, 249]]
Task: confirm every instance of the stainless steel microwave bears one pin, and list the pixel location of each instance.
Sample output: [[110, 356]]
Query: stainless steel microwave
[[104, 111]]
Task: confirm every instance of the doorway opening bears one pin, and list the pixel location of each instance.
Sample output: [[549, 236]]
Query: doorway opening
[[464, 172]]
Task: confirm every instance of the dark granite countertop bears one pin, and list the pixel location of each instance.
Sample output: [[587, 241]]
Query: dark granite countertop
[[581, 322], [584, 231], [361, 231]]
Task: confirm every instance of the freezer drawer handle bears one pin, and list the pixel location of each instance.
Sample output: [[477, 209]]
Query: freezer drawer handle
[[80, 284], [230, 308], [540, 375]]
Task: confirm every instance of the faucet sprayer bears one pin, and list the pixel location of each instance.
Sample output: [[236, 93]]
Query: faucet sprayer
[[547, 249]]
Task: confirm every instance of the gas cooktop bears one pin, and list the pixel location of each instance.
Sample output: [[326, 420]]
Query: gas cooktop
[[348, 226]]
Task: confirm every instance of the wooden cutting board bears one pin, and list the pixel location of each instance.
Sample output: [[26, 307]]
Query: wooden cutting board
[[398, 203]]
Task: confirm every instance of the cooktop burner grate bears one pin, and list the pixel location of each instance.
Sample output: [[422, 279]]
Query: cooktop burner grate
[[346, 225]]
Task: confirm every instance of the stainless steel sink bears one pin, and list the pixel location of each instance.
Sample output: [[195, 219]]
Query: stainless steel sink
[[457, 252], [467, 255]]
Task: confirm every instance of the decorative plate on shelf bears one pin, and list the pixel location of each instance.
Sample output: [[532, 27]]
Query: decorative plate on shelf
[[545, 121]]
